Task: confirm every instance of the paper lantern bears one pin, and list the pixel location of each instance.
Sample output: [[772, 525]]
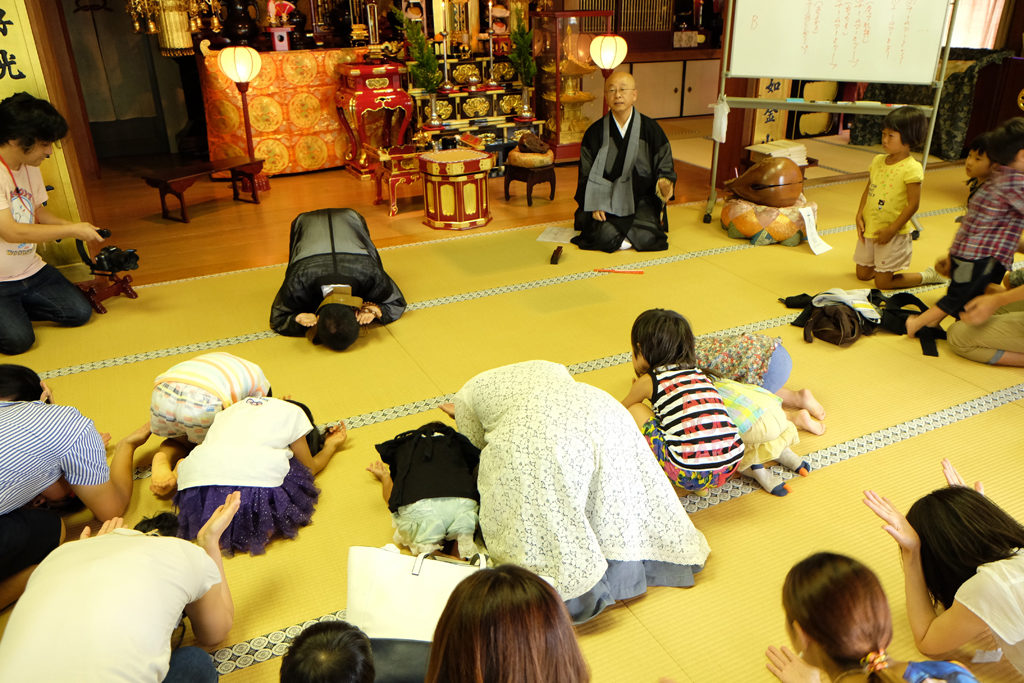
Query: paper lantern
[[608, 51], [240, 63]]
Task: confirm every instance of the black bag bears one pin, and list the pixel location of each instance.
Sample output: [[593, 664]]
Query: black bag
[[895, 311], [434, 461], [835, 323]]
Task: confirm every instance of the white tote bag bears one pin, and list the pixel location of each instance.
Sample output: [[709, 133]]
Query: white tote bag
[[391, 595]]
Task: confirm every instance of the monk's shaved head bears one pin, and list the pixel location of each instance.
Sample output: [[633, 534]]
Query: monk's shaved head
[[621, 79], [620, 94]]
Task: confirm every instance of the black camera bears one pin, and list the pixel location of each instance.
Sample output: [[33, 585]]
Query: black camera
[[109, 259]]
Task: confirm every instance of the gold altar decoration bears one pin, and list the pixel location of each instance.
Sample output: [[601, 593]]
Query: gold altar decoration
[[173, 21], [444, 109], [463, 73], [476, 107], [509, 104], [377, 83]]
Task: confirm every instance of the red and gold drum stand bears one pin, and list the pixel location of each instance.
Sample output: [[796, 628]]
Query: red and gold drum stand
[[455, 188]]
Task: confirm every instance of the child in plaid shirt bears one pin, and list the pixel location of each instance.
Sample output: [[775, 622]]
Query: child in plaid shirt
[[984, 246]]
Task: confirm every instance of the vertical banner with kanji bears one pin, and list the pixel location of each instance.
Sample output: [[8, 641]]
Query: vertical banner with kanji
[[20, 72], [770, 124]]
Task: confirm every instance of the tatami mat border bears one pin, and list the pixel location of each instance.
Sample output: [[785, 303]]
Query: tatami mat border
[[262, 648], [274, 644]]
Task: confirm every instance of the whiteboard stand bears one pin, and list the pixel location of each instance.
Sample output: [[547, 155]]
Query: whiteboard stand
[[797, 72]]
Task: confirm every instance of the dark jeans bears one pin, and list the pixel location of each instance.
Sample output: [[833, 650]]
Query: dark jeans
[[46, 295], [191, 665]]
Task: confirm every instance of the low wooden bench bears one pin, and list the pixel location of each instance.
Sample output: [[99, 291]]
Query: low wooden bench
[[175, 180]]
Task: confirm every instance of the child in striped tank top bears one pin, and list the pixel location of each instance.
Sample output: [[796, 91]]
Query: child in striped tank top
[[687, 424]]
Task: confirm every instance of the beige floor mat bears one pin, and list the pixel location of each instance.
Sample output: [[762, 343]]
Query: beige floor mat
[[481, 300]]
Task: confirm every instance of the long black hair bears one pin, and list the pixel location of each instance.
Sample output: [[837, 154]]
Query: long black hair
[[663, 337], [960, 530]]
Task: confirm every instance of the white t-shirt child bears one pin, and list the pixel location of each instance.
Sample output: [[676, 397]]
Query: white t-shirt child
[[247, 445]]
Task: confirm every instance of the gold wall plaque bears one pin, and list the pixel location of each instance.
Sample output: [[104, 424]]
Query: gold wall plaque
[[1020, 100], [462, 72], [509, 104], [504, 71], [377, 83], [476, 106], [443, 109]]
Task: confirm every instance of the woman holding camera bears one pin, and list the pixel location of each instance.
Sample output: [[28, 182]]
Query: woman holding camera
[[29, 288]]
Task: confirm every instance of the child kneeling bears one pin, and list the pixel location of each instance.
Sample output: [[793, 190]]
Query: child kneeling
[[428, 479], [687, 425], [262, 448]]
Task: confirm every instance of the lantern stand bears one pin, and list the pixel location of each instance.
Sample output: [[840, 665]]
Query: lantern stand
[[607, 51], [242, 64]]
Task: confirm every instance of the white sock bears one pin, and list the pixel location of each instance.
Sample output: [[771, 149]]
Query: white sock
[[626, 244], [791, 460], [768, 480], [929, 276]]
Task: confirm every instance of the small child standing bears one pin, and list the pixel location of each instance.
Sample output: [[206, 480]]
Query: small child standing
[[989, 234], [687, 425], [891, 198]]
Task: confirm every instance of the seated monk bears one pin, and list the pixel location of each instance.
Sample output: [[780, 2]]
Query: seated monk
[[626, 176]]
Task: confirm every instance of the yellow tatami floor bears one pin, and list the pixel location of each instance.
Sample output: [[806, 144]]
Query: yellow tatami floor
[[479, 300]]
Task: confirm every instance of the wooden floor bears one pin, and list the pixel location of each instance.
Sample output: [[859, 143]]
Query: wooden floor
[[226, 235]]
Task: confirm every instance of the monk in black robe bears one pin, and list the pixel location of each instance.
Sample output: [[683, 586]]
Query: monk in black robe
[[626, 176]]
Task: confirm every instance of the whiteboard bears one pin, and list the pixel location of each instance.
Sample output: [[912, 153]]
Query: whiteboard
[[879, 41]]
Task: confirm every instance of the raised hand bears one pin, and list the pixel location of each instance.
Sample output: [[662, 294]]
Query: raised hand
[[896, 524], [209, 535], [953, 477]]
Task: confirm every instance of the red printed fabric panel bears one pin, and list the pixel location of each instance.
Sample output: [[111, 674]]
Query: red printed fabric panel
[[295, 124]]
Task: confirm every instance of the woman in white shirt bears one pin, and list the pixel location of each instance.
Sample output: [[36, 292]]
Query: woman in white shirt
[[965, 552]]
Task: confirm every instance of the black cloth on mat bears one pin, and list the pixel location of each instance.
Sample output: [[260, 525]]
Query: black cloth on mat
[[433, 461]]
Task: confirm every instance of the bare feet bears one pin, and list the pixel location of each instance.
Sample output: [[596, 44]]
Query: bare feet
[[448, 408], [163, 479], [803, 420], [803, 398], [163, 482]]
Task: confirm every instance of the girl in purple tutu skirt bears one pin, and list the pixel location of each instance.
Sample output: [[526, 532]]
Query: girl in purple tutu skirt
[[264, 448]]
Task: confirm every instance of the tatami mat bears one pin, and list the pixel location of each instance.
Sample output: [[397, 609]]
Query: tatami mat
[[481, 300]]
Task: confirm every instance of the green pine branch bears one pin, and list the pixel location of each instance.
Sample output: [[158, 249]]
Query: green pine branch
[[425, 71], [521, 55]]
